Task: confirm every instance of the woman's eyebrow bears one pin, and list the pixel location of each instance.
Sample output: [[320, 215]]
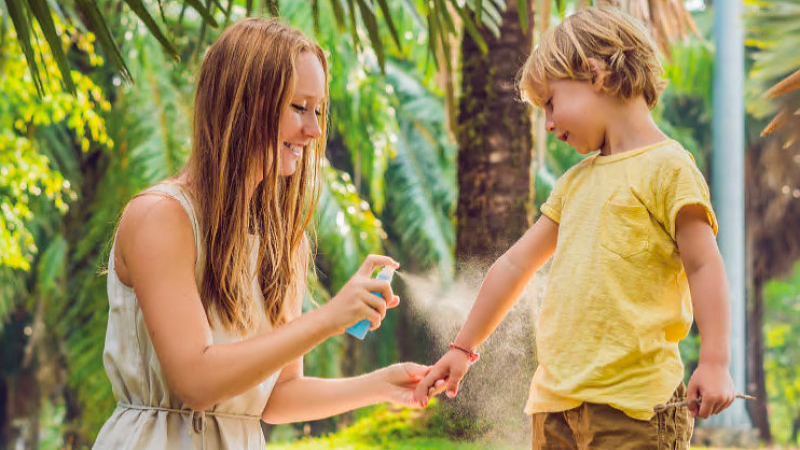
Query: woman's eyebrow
[[307, 96]]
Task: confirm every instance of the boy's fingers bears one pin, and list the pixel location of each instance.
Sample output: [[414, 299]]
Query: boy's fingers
[[706, 407], [720, 403], [691, 394], [452, 389], [437, 388], [421, 392], [452, 384]]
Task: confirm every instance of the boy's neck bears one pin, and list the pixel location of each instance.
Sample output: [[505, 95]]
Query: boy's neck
[[630, 126]]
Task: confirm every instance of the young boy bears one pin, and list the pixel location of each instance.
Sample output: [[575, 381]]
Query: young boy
[[631, 231]]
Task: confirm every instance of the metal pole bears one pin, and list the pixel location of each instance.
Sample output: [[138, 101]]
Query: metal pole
[[727, 187]]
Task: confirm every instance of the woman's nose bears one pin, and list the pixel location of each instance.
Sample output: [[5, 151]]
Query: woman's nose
[[549, 125], [311, 128]]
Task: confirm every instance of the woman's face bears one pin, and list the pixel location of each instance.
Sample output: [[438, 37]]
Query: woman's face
[[299, 123]]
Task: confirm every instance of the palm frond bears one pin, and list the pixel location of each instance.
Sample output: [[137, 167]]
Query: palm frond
[[668, 20], [788, 84], [95, 21], [773, 87], [421, 175], [346, 229]]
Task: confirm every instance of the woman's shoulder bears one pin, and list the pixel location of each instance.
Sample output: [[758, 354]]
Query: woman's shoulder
[[153, 227], [156, 216], [153, 203]]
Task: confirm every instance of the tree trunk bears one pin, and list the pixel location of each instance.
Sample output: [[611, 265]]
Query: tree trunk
[[755, 362], [495, 193], [773, 213], [494, 138]]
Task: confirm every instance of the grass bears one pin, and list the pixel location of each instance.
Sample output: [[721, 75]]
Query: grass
[[406, 444], [391, 428]]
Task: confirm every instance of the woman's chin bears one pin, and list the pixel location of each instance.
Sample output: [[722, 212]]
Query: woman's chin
[[288, 168]]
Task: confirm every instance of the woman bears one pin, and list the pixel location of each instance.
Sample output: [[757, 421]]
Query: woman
[[207, 271]]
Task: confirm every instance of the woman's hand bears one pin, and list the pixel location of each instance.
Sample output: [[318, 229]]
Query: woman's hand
[[398, 381], [356, 301]]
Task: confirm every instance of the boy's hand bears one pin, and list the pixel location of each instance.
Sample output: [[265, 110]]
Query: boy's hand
[[450, 368], [713, 383]]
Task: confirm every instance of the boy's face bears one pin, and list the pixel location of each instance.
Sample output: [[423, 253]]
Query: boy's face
[[574, 112]]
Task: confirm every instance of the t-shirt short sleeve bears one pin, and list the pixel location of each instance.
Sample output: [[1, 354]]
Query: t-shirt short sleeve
[[681, 184], [555, 201]]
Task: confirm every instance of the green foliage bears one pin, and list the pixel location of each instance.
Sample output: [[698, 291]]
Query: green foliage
[[691, 69], [396, 194], [422, 195], [782, 355], [391, 125], [26, 171], [773, 30], [346, 228], [389, 427], [149, 122]]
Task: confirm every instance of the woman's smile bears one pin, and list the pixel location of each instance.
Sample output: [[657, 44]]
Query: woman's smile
[[294, 149]]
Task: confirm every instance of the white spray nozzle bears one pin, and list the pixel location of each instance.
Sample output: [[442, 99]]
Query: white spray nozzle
[[386, 273]]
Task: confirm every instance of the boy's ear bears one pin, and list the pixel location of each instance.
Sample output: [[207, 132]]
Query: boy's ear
[[598, 74]]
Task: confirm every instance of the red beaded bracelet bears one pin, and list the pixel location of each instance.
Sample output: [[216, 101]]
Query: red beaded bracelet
[[472, 354]]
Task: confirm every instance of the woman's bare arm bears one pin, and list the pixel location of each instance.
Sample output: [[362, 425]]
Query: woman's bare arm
[[157, 247]]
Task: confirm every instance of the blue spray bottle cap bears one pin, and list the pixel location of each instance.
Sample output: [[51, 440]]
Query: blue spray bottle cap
[[361, 328]]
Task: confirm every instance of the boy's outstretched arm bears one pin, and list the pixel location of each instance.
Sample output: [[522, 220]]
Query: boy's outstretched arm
[[710, 301], [500, 290]]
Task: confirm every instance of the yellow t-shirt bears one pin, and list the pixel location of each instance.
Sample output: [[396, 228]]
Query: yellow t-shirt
[[617, 299]]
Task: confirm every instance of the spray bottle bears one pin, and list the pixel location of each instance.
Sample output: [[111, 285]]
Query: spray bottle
[[361, 328]]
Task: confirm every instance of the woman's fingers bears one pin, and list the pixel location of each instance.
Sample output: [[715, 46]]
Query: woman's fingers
[[373, 261], [415, 371], [374, 318], [393, 303], [380, 287], [375, 302]]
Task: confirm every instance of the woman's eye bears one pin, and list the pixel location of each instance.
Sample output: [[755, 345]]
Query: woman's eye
[[300, 108], [318, 113]]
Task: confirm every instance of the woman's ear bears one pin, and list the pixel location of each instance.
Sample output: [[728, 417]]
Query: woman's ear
[[598, 74]]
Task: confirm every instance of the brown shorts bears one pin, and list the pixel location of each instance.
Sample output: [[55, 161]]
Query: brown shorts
[[594, 426]]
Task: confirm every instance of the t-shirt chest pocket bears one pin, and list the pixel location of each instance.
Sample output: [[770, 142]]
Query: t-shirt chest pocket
[[625, 228]]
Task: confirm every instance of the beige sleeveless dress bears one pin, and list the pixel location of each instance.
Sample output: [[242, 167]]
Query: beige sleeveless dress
[[149, 415]]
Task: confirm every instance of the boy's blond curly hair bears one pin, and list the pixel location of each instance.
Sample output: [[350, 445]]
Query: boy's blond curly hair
[[621, 46]]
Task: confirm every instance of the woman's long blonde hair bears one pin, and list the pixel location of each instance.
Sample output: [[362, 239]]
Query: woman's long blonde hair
[[245, 83]]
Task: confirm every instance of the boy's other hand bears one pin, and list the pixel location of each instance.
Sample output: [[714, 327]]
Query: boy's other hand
[[713, 383], [445, 374]]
